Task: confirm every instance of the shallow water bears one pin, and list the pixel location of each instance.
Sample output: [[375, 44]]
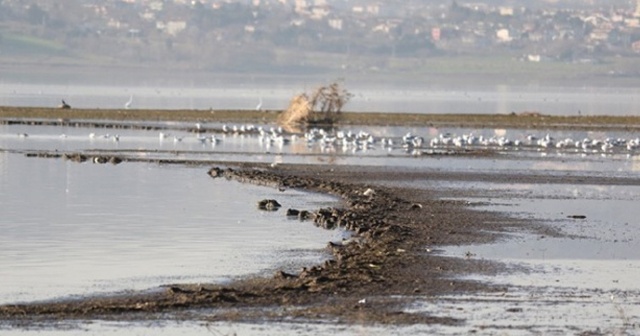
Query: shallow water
[[586, 281], [91, 228], [276, 94], [207, 329], [610, 230], [77, 229], [175, 144], [538, 311]]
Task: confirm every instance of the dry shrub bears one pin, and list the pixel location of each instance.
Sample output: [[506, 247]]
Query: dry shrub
[[298, 111], [322, 107]]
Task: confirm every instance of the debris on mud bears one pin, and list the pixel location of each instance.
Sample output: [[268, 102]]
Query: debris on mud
[[384, 260], [269, 205]]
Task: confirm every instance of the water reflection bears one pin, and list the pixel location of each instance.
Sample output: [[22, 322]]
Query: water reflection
[[173, 142], [585, 280], [92, 228], [599, 220], [71, 229], [220, 328], [275, 94]]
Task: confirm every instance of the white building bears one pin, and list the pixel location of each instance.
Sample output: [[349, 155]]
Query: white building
[[503, 35]]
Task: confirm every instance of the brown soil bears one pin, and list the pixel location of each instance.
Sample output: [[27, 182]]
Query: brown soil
[[521, 120], [371, 278]]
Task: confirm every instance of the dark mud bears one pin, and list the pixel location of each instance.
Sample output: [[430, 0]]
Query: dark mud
[[371, 278]]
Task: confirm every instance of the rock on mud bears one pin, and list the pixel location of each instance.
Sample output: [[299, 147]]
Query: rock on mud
[[269, 205]]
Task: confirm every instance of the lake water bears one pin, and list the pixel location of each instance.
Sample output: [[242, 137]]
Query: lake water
[[419, 98], [77, 229], [89, 228]]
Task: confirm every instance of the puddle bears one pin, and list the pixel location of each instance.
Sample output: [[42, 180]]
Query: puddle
[[77, 229]]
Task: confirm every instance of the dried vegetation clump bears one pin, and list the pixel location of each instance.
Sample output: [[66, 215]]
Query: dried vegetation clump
[[322, 107]]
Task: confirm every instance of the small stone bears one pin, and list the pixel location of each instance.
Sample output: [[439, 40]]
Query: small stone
[[269, 205], [215, 172], [115, 160], [293, 213], [100, 159], [304, 215]]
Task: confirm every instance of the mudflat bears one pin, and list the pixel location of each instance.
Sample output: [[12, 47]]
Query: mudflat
[[388, 259], [372, 277], [517, 120]]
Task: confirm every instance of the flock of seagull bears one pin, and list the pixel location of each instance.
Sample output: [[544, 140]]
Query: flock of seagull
[[354, 141], [415, 144], [350, 141]]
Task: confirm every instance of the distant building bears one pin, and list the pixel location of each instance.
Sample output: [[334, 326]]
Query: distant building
[[506, 11], [134, 33], [335, 24], [503, 35], [319, 12], [373, 9], [633, 23], [533, 58], [436, 33], [148, 16], [300, 6], [156, 6], [113, 23], [172, 28]]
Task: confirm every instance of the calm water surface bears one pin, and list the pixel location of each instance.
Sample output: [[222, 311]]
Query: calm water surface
[[76, 229], [249, 148], [418, 98]]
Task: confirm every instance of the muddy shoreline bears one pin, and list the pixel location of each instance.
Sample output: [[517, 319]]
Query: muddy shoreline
[[149, 119], [387, 265], [372, 278]]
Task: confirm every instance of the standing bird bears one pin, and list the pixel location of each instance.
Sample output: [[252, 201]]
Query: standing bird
[[64, 105], [127, 105], [259, 106]]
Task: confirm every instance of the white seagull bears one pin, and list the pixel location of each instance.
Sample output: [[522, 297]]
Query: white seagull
[[127, 105]]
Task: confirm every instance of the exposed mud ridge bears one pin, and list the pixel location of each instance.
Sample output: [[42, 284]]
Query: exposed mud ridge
[[112, 125], [78, 157], [369, 279], [115, 118]]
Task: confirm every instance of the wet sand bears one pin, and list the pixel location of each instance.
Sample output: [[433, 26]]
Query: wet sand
[[371, 278]]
